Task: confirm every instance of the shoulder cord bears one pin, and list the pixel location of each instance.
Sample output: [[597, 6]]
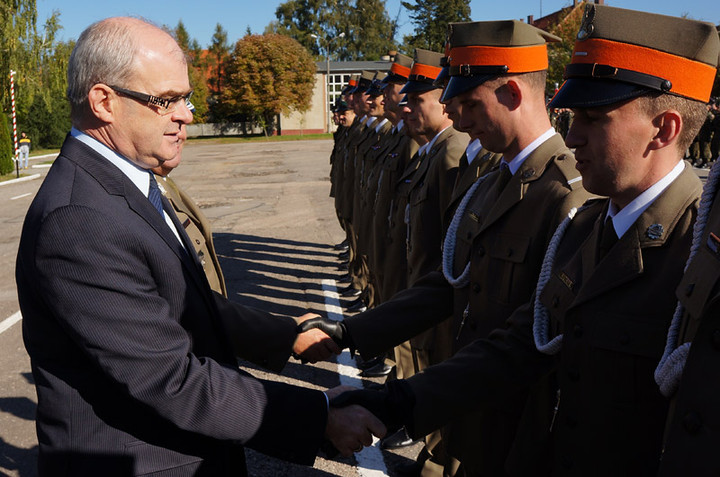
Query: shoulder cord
[[541, 321], [451, 239], [670, 369]]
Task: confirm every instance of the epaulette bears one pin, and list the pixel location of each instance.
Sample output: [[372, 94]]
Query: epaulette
[[565, 162]]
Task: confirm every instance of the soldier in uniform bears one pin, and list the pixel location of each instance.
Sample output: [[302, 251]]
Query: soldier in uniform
[[496, 243], [604, 296]]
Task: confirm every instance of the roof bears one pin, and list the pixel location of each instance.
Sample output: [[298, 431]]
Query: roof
[[352, 66]]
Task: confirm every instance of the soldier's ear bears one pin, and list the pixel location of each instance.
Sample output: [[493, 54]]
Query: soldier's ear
[[669, 125], [103, 102]]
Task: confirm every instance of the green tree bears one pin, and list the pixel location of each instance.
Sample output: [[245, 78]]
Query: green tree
[[6, 147], [215, 65], [431, 18], [196, 71], [369, 32], [267, 75], [560, 54]]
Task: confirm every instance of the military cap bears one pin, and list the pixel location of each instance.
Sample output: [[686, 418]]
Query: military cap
[[622, 54], [403, 101], [352, 82], [400, 70], [364, 82], [425, 68], [377, 85], [481, 51], [444, 76], [340, 105]]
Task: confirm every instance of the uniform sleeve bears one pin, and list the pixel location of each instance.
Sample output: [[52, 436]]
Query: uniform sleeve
[[486, 370]]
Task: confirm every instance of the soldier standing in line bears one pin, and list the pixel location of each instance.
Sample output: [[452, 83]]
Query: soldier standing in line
[[498, 240], [604, 298]]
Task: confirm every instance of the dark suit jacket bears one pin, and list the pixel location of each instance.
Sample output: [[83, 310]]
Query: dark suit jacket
[[128, 347]]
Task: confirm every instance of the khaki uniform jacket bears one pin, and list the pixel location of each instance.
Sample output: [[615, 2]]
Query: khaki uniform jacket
[[483, 163], [346, 182], [389, 167], [693, 429], [394, 270], [429, 195], [614, 316], [198, 229], [504, 237]]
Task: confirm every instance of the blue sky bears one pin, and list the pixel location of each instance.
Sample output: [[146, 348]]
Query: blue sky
[[200, 17]]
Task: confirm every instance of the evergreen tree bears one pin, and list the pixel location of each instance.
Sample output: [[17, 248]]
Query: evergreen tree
[[431, 18], [7, 150]]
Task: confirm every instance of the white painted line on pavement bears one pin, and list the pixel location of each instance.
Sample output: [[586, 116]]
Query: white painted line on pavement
[[22, 179], [9, 321], [20, 196], [370, 460]]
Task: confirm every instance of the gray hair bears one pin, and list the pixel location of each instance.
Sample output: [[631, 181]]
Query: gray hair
[[104, 53]]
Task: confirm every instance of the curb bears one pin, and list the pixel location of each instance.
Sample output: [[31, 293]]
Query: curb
[[22, 179]]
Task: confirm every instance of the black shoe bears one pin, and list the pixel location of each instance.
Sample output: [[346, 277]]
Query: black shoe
[[408, 469], [345, 278], [344, 256], [397, 440], [371, 362], [378, 371], [341, 246], [356, 306], [345, 289], [351, 293]]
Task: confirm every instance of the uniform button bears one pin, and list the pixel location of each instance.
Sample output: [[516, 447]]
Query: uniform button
[[573, 374], [624, 339], [716, 339], [197, 241], [476, 288], [692, 422], [689, 289], [481, 251], [555, 301], [577, 331]]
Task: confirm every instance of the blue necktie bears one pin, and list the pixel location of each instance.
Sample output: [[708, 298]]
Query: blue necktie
[[154, 194]]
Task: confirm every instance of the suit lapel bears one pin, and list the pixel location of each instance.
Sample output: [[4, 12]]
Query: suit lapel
[[116, 183]]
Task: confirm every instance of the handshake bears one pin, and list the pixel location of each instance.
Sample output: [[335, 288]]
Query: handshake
[[358, 414]]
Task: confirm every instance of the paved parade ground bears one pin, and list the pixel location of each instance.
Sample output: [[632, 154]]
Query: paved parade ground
[[274, 226]]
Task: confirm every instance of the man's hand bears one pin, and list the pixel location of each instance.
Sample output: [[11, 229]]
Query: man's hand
[[392, 404], [335, 329], [351, 428], [313, 345]]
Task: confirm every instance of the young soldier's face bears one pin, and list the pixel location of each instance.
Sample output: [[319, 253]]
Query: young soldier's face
[[611, 147]]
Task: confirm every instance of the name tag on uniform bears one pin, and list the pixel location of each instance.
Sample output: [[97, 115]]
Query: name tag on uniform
[[566, 280], [713, 243]]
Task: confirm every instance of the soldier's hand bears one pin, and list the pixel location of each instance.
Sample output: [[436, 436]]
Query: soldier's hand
[[334, 329], [392, 403]]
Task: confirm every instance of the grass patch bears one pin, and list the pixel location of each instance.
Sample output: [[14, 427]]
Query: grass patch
[[10, 176]]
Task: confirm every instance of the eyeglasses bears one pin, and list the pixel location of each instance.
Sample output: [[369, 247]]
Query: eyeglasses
[[164, 106]]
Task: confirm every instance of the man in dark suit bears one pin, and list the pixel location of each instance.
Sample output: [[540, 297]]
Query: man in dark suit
[[132, 354], [596, 324]]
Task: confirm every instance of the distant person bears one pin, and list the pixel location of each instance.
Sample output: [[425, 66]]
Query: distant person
[[24, 151]]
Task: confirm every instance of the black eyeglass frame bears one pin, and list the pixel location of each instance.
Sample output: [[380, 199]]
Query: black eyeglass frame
[[165, 104]]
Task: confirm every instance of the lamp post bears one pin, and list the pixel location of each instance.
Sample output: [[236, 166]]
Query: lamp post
[[327, 73]]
